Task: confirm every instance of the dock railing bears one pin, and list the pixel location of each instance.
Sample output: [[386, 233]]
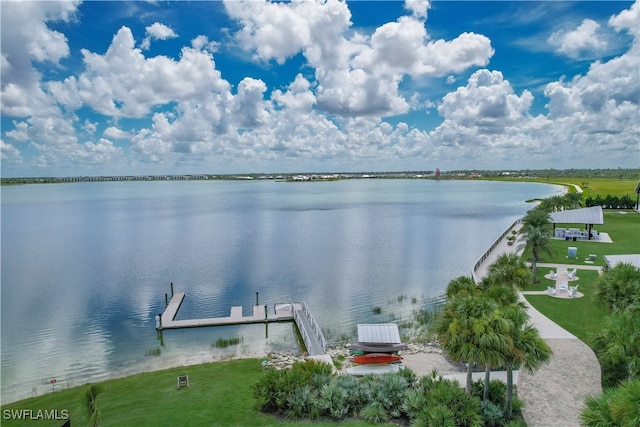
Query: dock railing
[[486, 254], [318, 335]]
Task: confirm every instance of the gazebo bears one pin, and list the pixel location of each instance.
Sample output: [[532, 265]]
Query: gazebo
[[587, 216]]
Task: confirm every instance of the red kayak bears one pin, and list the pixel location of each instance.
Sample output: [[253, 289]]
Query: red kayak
[[371, 358]]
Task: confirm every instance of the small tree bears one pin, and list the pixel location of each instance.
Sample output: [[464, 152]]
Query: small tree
[[537, 234]]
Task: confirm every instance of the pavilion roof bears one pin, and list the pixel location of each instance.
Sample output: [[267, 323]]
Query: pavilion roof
[[591, 215]]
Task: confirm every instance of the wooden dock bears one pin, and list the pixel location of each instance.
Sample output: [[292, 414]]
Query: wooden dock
[[293, 311], [281, 312]]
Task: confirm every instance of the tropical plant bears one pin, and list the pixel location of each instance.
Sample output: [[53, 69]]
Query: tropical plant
[[537, 234], [619, 287], [619, 406], [334, 400], [462, 285], [618, 345], [509, 270], [464, 329], [527, 349], [374, 412], [492, 414], [572, 200]]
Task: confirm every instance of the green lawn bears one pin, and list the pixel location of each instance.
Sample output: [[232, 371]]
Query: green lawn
[[584, 317], [602, 186], [220, 394]]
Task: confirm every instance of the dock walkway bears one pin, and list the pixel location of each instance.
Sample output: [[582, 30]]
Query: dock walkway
[[260, 314], [283, 312]]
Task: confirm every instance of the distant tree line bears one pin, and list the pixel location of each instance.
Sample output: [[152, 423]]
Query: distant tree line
[[611, 202]]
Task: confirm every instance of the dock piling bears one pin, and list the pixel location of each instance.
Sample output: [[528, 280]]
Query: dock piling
[[257, 299], [171, 289], [166, 299]]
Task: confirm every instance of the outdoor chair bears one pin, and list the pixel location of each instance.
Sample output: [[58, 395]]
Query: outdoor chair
[[563, 287], [183, 381], [553, 274], [551, 290], [572, 273], [573, 291]]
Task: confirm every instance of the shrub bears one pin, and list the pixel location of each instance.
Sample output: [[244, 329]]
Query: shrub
[[374, 413], [334, 400], [275, 387], [497, 391], [433, 416], [492, 414]]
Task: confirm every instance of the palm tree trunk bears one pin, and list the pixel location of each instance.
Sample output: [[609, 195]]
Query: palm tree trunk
[[509, 394], [534, 260], [487, 379], [469, 377]]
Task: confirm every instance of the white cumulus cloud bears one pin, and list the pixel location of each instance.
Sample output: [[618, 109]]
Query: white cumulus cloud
[[576, 43], [157, 31]]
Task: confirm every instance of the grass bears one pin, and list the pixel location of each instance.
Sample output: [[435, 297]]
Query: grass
[[584, 317], [591, 187], [220, 394], [224, 343], [602, 186]]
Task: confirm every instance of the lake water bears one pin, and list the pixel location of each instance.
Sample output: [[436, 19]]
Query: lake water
[[85, 266]]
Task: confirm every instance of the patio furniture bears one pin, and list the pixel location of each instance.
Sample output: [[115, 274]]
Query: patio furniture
[[563, 287], [183, 381], [572, 274], [551, 290], [573, 291], [553, 274]]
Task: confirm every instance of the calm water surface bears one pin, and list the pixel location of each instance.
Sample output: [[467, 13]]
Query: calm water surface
[[85, 266]]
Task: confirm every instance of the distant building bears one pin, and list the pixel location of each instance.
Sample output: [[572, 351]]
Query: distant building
[[438, 173]]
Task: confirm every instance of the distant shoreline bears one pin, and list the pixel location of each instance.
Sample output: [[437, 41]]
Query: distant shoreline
[[541, 176]]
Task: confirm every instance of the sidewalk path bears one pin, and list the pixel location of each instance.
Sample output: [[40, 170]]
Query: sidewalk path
[[501, 248], [555, 393]]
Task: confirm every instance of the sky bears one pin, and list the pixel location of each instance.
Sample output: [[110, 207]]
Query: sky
[[223, 87]]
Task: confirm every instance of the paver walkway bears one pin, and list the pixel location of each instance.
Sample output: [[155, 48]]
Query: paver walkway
[[554, 394]]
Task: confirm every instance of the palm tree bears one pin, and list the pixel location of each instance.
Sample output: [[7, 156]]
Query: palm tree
[[572, 200], [614, 407], [619, 287], [619, 342], [505, 297], [509, 270], [535, 231], [463, 285], [527, 349], [553, 203], [465, 331]]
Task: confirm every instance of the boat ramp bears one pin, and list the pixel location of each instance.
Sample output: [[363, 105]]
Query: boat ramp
[[294, 311]]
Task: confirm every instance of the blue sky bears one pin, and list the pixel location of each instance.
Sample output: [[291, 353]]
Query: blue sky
[[106, 88]]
